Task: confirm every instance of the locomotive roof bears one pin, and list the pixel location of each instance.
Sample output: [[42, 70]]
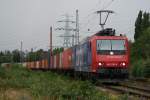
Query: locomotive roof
[[107, 33], [108, 37]]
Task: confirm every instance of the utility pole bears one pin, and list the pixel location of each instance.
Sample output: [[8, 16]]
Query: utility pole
[[67, 31], [77, 28], [21, 51], [51, 60], [73, 40], [107, 12]]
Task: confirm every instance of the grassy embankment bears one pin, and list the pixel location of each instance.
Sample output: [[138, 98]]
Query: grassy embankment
[[17, 83]]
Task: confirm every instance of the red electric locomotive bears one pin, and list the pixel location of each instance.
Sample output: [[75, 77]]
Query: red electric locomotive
[[103, 55]]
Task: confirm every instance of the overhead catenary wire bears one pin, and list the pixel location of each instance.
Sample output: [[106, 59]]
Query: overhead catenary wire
[[109, 4], [92, 11], [91, 19], [88, 21]]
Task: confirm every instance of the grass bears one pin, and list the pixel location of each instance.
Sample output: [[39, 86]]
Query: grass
[[18, 83]]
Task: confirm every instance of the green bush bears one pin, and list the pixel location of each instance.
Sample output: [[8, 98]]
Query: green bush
[[141, 68], [137, 69], [147, 68], [2, 73]]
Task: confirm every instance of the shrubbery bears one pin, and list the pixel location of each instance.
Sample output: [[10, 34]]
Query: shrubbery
[[141, 68], [47, 84], [138, 69], [147, 69]]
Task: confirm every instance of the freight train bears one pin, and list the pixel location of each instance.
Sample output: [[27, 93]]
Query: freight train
[[102, 55]]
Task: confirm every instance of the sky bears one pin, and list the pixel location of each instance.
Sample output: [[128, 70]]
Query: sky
[[29, 20]]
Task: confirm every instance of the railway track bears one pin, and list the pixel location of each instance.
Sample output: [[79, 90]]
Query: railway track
[[140, 92], [141, 88]]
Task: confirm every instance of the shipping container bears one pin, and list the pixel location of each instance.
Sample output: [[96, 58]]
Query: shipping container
[[60, 60], [45, 64], [74, 56], [40, 64], [57, 61], [77, 64], [54, 61], [37, 64], [67, 59], [32, 65], [28, 64], [42, 67], [83, 57]]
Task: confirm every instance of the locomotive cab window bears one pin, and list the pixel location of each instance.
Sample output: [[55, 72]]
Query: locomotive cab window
[[107, 46]]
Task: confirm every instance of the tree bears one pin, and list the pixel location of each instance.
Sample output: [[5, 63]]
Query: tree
[[141, 48], [8, 56], [16, 55], [141, 24], [145, 21], [57, 50], [39, 54], [1, 57], [145, 43], [138, 26], [36, 55]]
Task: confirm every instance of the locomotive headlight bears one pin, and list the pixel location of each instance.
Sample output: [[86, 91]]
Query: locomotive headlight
[[123, 63], [111, 53], [100, 64]]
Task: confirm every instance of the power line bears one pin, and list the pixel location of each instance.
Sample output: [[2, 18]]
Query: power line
[[88, 21], [105, 7], [93, 10]]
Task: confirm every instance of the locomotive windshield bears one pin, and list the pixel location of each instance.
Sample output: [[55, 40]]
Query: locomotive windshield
[[107, 46]]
